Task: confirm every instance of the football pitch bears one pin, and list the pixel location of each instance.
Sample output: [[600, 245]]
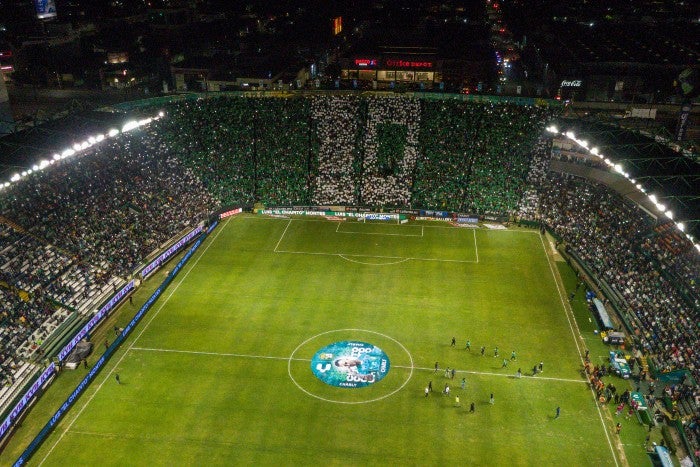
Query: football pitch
[[266, 349]]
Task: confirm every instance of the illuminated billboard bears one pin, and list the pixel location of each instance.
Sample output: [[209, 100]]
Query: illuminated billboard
[[365, 62], [397, 63], [45, 9], [337, 25]]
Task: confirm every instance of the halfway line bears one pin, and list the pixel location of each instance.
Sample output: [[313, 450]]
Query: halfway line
[[268, 357], [219, 354]]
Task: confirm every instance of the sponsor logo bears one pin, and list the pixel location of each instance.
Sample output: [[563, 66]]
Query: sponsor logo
[[350, 364], [573, 83]]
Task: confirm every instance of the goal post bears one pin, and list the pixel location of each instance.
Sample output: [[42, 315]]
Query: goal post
[[382, 218]]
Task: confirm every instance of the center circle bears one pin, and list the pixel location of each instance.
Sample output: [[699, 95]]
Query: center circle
[[350, 364], [298, 364]]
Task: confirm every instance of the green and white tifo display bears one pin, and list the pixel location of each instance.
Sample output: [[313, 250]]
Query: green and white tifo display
[[350, 364]]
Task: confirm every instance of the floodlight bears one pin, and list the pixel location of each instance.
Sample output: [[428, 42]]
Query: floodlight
[[113, 132], [594, 151], [681, 226], [130, 125], [669, 214], [652, 198], [570, 134]]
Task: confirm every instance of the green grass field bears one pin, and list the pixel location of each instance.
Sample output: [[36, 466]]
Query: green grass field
[[219, 371]]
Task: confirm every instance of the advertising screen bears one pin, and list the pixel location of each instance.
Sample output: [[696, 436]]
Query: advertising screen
[[45, 9]]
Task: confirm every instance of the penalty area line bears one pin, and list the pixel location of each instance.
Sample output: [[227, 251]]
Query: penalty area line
[[282, 236]]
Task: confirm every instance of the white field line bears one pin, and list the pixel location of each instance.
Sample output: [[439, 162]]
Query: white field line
[[271, 357], [345, 256], [289, 222], [337, 230], [567, 311], [153, 316], [374, 264], [321, 219], [378, 233], [374, 256], [218, 354]]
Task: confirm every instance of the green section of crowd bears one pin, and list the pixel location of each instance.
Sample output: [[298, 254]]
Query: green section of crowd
[[469, 156]]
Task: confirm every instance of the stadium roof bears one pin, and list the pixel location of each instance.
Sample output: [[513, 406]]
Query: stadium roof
[[22, 149]]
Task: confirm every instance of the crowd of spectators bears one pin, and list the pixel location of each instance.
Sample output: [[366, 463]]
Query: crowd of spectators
[[389, 151], [351, 149], [617, 241], [337, 129], [536, 176], [608, 234], [475, 158], [75, 231], [244, 150]]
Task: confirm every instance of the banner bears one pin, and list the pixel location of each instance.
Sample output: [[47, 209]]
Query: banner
[[170, 252], [95, 320], [368, 215], [683, 121], [28, 396], [230, 213]]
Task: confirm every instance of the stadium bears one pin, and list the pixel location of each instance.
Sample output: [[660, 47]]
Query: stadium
[[343, 278]]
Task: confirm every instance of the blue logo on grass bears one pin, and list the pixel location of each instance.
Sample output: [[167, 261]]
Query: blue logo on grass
[[350, 364]]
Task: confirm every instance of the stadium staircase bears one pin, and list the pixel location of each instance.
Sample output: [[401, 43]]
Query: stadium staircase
[[12, 224], [645, 364]]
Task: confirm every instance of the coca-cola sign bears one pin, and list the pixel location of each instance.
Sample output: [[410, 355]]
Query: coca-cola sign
[[571, 83]]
